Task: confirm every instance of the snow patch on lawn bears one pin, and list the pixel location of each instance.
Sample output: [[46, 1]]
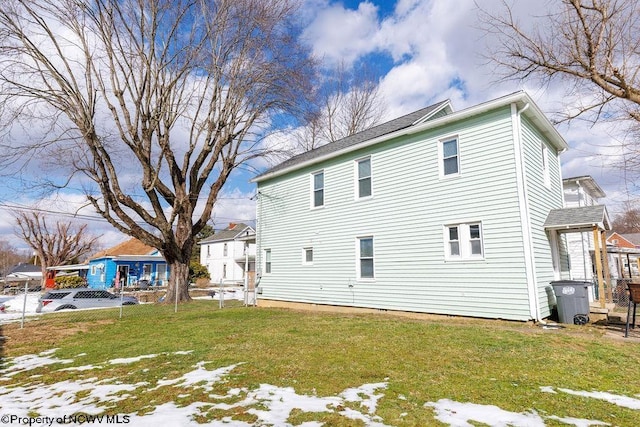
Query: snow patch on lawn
[[127, 360], [623, 401], [197, 376], [31, 361], [271, 405]]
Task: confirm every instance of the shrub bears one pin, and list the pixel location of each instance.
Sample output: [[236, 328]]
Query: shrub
[[197, 271], [65, 282]]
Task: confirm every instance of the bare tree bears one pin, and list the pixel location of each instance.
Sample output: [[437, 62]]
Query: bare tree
[[54, 245], [348, 102], [627, 221], [10, 256], [156, 102], [593, 46]]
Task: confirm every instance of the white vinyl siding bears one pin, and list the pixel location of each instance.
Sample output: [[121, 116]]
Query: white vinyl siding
[[406, 216], [542, 198]]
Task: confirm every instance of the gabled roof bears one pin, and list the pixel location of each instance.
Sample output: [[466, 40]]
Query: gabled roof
[[411, 119], [418, 121], [632, 238], [583, 217], [588, 183], [23, 268], [232, 232], [129, 247]]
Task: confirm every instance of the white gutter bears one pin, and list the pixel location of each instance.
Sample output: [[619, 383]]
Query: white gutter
[[519, 97], [525, 220]]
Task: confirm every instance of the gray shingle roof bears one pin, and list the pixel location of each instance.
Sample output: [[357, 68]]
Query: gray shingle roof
[[226, 234], [358, 138], [575, 218]]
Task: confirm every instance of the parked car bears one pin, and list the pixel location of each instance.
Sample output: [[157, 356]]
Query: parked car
[[69, 299]]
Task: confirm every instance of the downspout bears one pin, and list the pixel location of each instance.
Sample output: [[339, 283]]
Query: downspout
[[258, 266], [525, 220]]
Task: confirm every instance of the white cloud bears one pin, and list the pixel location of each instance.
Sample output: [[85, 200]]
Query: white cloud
[[438, 52], [340, 35]]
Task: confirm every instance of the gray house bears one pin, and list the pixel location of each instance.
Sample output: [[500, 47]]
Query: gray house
[[436, 212]]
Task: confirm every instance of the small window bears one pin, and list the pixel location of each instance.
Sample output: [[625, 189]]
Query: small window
[[364, 178], [267, 261], [317, 196], [463, 241], [307, 256], [450, 157], [224, 271], [225, 250], [208, 250], [454, 241], [545, 165], [94, 270], [365, 258]]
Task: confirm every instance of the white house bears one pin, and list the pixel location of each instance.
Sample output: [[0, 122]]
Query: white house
[[229, 253], [439, 211], [578, 192]]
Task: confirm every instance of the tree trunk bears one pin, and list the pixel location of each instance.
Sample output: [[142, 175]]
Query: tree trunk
[[178, 282]]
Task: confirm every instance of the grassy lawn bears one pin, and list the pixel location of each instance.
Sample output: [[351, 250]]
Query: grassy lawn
[[322, 354]]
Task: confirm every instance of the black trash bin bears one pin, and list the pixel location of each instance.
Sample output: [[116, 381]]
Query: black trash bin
[[573, 301]]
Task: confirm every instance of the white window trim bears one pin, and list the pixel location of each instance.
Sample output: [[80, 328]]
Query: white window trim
[[312, 188], [304, 255], [441, 142], [265, 272], [358, 270], [545, 165], [464, 241], [356, 178]]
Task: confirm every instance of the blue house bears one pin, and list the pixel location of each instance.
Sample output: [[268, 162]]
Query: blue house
[[131, 263]]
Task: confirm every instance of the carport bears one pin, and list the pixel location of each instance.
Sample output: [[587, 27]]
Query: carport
[[584, 219]]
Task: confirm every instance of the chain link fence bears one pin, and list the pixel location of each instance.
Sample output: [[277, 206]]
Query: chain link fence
[[20, 303]]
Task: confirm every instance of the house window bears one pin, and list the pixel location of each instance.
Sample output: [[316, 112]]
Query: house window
[[146, 272], [317, 196], [224, 271], [225, 250], [364, 178], [463, 241], [307, 256], [365, 258], [449, 154], [454, 241], [545, 165], [267, 261], [208, 250], [94, 270]]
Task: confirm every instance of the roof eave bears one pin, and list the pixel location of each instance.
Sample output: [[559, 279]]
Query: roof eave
[[521, 98]]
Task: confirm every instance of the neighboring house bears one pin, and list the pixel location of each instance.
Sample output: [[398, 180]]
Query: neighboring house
[[628, 240], [25, 271], [126, 265], [229, 252], [436, 211], [21, 274], [625, 255], [579, 192]]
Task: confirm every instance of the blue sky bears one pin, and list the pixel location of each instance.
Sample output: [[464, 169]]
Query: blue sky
[[422, 51]]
